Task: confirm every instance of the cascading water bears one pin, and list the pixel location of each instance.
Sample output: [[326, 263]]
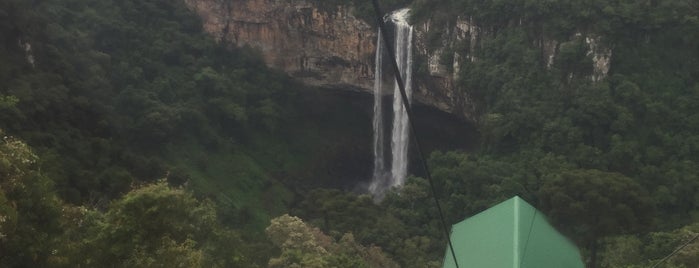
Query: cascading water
[[379, 182], [404, 57], [403, 40]]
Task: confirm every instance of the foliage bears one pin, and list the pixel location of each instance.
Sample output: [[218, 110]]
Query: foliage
[[633, 251], [29, 209], [112, 94], [171, 214], [122, 93], [122, 79], [594, 204], [616, 148], [152, 226], [304, 246], [7, 102], [169, 254]]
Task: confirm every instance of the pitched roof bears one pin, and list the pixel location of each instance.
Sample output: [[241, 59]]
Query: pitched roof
[[511, 234]]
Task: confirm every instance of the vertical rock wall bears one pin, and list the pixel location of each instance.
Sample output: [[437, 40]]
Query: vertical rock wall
[[330, 48], [438, 89], [320, 47], [333, 48]]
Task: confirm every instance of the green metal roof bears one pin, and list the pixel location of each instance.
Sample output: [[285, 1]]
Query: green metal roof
[[511, 234]]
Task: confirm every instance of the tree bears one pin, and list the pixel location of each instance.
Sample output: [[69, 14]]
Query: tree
[[157, 226], [300, 244], [471, 183], [338, 211], [648, 249], [29, 209], [593, 204], [305, 246], [168, 254], [7, 102]]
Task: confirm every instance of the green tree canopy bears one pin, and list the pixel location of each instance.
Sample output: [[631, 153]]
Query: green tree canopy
[[29, 208], [593, 204], [305, 246]]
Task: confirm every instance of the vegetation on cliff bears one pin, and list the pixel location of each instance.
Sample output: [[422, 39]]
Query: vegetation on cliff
[[113, 95], [603, 157], [579, 140]]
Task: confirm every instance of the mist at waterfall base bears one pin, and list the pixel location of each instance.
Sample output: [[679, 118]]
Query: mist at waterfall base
[[384, 178]]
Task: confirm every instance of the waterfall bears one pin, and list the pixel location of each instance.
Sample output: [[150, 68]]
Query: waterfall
[[403, 40], [404, 57], [378, 182]]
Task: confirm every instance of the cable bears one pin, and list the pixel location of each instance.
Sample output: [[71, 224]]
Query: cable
[[676, 251], [529, 235], [409, 112]]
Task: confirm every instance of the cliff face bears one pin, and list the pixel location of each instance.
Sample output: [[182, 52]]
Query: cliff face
[[332, 48], [463, 38], [319, 47], [324, 48], [438, 89]]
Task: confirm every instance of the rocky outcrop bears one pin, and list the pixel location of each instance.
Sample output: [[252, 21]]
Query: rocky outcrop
[[601, 56], [333, 48], [319, 47], [438, 89], [26, 47], [329, 48]]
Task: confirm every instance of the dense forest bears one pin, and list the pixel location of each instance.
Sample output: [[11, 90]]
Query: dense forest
[[131, 138]]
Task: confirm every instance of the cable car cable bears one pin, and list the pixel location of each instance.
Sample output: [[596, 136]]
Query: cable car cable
[[406, 105]]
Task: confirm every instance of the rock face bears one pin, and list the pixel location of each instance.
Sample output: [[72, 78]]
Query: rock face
[[438, 89], [27, 48], [329, 48], [332, 48], [323, 48], [601, 57]]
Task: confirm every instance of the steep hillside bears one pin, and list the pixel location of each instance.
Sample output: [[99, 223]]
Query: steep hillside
[[573, 94]]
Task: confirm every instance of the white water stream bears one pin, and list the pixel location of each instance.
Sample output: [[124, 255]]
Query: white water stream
[[403, 41]]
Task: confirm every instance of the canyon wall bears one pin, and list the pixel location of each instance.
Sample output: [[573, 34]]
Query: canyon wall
[[332, 48], [323, 48]]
